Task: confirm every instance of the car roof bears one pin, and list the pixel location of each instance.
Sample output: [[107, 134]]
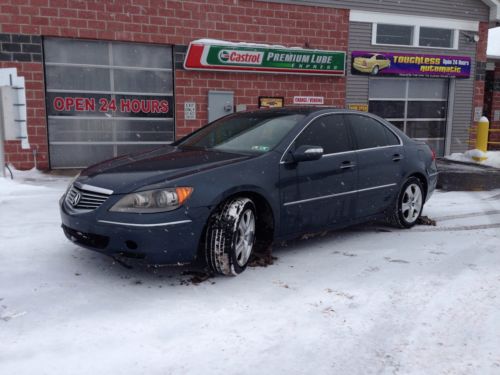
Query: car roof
[[292, 110]]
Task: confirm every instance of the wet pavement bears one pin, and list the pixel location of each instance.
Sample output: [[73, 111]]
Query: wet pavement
[[460, 176]]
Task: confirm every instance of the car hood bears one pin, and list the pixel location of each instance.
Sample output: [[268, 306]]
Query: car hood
[[132, 172]]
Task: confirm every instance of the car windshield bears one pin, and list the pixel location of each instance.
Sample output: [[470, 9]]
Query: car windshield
[[251, 132]]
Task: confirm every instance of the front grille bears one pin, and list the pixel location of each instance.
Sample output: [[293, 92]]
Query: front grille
[[84, 199]]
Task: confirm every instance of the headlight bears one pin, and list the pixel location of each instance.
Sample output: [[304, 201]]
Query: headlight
[[153, 200]]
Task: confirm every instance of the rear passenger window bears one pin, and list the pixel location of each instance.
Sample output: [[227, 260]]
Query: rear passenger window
[[370, 133], [391, 137], [329, 132]]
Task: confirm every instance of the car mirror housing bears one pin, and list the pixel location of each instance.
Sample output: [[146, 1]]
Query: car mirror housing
[[307, 153]]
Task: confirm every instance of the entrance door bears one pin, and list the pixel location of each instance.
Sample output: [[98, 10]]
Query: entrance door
[[418, 106], [317, 194]]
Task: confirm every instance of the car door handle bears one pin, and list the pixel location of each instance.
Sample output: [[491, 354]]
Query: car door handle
[[397, 157], [347, 164]]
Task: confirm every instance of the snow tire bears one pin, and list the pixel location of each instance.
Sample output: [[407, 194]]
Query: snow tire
[[222, 236]]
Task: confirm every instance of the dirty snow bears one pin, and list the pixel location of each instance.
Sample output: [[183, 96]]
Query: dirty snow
[[493, 157], [368, 300]]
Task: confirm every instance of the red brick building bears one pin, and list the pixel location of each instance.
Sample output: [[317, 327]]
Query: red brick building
[[122, 50]]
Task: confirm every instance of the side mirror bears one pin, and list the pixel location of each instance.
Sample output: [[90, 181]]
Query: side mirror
[[307, 153]]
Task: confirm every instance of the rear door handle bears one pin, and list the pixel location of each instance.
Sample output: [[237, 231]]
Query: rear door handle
[[347, 164], [397, 157]]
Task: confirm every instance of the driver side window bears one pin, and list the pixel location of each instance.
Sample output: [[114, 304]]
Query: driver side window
[[329, 132]]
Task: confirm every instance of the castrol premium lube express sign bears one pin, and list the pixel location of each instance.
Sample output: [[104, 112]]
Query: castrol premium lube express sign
[[219, 55]]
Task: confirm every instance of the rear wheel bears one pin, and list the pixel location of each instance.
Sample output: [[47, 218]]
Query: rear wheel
[[230, 236], [409, 204], [375, 70]]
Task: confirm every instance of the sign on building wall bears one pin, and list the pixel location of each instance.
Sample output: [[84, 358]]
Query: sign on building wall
[[410, 64], [190, 111], [318, 100], [216, 55], [358, 107], [271, 101], [80, 104]]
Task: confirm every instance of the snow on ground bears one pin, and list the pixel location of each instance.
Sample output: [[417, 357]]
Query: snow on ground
[[368, 300], [493, 157]]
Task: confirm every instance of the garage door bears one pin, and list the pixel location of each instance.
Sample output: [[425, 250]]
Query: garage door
[[105, 99], [416, 106]]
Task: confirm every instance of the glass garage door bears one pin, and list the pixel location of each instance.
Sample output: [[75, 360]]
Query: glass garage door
[[105, 99], [416, 106]]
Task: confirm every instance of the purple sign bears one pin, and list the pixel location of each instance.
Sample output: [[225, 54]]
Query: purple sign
[[410, 64]]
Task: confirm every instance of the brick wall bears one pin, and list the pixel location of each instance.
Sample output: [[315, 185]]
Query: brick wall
[[495, 106], [170, 22]]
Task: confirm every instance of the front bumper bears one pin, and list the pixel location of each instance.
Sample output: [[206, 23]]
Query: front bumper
[[164, 238]]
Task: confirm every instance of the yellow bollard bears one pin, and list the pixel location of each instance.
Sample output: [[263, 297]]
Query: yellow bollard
[[483, 128]]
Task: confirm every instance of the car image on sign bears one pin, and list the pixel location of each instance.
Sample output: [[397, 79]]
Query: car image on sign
[[246, 180], [371, 63]]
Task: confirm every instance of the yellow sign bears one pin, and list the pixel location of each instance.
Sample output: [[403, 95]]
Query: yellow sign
[[270, 102], [358, 107]]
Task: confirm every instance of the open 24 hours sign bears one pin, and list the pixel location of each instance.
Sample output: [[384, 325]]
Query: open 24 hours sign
[[216, 55]]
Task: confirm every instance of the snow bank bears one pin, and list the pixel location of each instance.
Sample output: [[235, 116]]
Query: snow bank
[[493, 157]]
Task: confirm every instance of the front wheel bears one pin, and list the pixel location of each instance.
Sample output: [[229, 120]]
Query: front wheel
[[409, 204], [230, 237]]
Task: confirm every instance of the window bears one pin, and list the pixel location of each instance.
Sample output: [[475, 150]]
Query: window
[[329, 132], [394, 34], [106, 99], [414, 36], [252, 133], [433, 37], [418, 107], [370, 133]]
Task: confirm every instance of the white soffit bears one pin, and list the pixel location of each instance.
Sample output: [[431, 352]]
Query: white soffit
[[405, 19]]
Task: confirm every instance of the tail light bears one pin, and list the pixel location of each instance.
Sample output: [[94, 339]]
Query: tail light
[[433, 154]]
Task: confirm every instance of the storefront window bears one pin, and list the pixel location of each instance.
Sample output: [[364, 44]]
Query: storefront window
[[416, 106], [105, 99], [394, 34], [433, 37]]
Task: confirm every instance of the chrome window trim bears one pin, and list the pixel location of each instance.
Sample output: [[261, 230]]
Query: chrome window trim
[[338, 194], [343, 152], [145, 225], [95, 189]]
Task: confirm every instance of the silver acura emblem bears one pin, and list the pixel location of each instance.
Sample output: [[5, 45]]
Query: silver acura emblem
[[75, 199]]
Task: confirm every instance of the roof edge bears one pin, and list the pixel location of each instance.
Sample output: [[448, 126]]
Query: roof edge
[[494, 9]]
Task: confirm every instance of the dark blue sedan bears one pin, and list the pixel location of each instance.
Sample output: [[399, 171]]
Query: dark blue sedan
[[247, 180]]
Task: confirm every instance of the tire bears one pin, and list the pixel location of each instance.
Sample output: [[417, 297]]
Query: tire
[[409, 205], [230, 237], [375, 70]]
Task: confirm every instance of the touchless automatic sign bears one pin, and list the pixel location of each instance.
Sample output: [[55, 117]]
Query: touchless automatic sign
[[410, 64]]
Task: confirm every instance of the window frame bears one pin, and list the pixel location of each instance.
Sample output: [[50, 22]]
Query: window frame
[[416, 36], [355, 140], [343, 113], [349, 135]]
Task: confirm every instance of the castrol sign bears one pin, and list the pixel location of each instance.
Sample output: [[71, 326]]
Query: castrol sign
[[240, 57], [218, 55]]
